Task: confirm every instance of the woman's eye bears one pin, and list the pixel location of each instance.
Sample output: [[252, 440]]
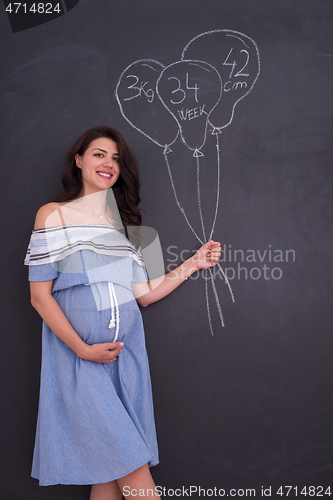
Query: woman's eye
[[116, 159], [98, 154]]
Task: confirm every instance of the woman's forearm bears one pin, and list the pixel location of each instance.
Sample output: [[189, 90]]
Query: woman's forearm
[[49, 310], [159, 288], [207, 256]]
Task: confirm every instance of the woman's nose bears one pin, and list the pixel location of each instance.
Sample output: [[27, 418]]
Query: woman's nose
[[110, 161]]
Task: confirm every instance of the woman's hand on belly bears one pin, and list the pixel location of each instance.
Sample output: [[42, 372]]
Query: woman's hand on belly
[[102, 353]]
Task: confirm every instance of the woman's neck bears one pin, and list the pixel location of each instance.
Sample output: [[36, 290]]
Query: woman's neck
[[95, 203]]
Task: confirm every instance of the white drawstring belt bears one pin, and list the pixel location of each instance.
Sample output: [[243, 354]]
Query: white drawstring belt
[[114, 306]]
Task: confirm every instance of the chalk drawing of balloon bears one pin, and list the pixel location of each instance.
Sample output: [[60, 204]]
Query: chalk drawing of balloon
[[190, 90], [141, 107], [216, 71], [236, 58]]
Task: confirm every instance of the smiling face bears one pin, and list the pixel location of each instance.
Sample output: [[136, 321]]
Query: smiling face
[[99, 165]]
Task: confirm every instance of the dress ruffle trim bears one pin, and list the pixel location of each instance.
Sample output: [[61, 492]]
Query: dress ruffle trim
[[49, 245]]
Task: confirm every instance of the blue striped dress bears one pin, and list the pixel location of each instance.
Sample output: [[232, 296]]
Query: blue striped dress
[[95, 421]]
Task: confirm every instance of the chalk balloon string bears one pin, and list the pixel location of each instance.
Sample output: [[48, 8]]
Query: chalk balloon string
[[203, 240]]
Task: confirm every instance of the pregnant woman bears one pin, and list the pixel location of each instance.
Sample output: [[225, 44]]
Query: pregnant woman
[[87, 276]]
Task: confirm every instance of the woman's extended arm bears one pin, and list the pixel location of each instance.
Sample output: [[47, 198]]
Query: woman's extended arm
[[154, 290], [48, 308]]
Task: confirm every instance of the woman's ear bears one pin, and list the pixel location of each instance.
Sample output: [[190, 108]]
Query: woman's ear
[[78, 160]]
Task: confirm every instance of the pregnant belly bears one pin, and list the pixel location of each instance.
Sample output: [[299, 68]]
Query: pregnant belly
[[96, 316]]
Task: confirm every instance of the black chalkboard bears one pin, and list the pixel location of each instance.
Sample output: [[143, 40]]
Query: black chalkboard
[[228, 108]]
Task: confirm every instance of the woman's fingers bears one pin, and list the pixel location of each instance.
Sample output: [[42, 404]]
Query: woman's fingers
[[105, 352], [114, 349], [208, 255], [113, 346], [214, 251]]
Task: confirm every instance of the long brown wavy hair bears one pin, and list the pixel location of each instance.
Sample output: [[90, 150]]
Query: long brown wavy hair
[[125, 189]]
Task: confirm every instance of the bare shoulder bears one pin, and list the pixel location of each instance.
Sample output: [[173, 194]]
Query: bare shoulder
[[48, 216]]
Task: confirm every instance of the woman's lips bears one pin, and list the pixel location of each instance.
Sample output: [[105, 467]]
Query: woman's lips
[[105, 175]]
